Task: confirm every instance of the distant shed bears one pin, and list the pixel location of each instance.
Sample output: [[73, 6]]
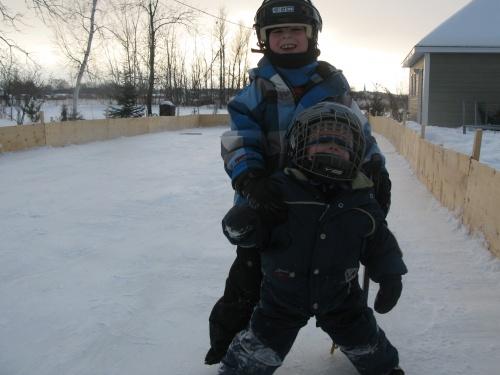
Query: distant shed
[[455, 70], [167, 108]]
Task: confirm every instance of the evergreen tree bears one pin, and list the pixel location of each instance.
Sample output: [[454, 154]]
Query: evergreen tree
[[377, 107], [126, 100], [31, 108], [67, 114], [64, 113]]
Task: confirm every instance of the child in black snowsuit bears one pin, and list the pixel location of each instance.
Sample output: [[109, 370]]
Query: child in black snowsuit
[[311, 256]]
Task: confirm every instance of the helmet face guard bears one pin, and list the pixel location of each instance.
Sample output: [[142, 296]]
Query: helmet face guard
[[326, 142], [282, 13]]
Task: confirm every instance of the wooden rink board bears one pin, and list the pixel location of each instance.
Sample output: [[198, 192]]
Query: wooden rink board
[[21, 137], [58, 134], [466, 187]]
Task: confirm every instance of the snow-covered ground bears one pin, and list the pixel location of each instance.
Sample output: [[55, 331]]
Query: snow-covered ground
[[110, 261], [94, 110], [454, 139]]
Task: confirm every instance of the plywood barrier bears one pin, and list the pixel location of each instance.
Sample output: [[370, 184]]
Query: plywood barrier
[[75, 132], [410, 147], [482, 203], [13, 138], [454, 173], [468, 188], [159, 124], [16, 138], [211, 120]]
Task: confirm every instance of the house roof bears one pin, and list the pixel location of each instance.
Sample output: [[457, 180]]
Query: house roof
[[473, 29]]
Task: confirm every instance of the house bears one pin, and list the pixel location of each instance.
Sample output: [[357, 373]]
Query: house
[[455, 69]]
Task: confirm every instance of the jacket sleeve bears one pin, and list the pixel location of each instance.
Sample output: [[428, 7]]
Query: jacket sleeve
[[382, 255], [243, 147]]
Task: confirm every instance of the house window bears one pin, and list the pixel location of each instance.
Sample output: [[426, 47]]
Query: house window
[[413, 84], [415, 81]]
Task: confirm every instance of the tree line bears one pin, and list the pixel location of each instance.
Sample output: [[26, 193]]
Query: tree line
[[135, 52], [135, 46]]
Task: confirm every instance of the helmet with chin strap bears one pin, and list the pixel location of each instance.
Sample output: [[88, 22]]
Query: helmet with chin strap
[[287, 13], [327, 143]]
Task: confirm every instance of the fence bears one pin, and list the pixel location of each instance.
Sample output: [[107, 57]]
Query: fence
[[467, 187], [15, 138]]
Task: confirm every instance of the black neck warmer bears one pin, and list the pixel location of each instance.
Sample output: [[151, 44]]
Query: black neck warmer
[[292, 60]]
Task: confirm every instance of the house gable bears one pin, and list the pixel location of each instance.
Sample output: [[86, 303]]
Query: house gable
[[473, 29]]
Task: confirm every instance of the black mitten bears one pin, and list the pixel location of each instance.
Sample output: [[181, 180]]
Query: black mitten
[[242, 226], [375, 169], [388, 294], [261, 191]]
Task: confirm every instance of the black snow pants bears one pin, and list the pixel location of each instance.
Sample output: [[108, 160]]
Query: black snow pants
[[261, 348], [232, 312]]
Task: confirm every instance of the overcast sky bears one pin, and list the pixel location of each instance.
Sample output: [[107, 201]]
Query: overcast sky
[[367, 39]]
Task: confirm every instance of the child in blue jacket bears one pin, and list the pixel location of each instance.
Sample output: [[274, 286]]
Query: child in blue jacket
[[310, 257], [288, 79]]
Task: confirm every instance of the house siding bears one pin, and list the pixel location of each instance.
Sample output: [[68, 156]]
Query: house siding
[[455, 78]]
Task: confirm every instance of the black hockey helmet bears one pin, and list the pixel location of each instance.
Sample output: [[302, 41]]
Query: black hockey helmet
[[287, 13], [323, 124]]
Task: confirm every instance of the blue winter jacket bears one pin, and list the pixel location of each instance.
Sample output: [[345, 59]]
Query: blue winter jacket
[[262, 113], [310, 261]]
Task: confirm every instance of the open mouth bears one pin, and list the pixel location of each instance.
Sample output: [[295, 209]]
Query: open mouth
[[288, 46]]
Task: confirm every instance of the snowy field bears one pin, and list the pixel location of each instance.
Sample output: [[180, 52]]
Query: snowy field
[[94, 110], [111, 257]]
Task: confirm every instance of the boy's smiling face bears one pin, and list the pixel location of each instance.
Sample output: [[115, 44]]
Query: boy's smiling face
[[288, 40], [338, 142]]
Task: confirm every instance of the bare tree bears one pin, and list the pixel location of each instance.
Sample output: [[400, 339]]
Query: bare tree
[[169, 67], [173, 70], [23, 88], [9, 18], [239, 50], [75, 29], [214, 55], [12, 20], [398, 104], [198, 77], [123, 24], [52, 8], [159, 16], [221, 34]]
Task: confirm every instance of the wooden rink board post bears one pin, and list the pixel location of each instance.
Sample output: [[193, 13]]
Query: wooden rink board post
[[476, 149]]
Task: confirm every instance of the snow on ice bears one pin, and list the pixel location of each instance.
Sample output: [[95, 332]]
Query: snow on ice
[[112, 255]]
